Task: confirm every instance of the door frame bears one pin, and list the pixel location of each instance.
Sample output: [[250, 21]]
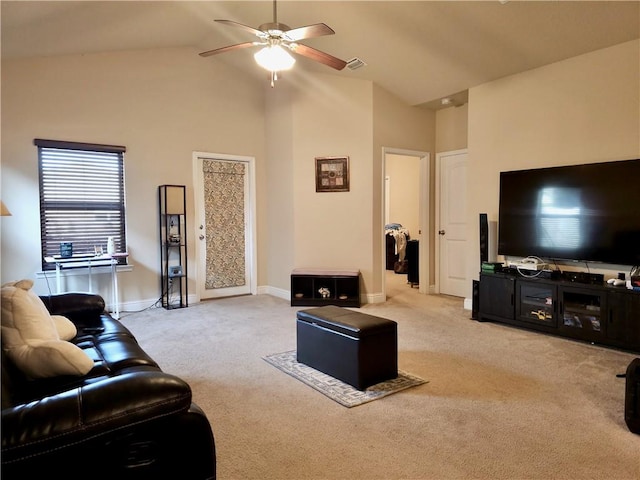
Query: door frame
[[423, 216], [251, 248], [438, 197]]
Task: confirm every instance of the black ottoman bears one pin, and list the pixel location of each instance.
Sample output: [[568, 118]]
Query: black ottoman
[[354, 347]]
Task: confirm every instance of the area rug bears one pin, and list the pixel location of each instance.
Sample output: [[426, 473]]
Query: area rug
[[336, 390]]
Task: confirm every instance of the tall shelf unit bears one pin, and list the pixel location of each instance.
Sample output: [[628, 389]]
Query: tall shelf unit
[[173, 246]]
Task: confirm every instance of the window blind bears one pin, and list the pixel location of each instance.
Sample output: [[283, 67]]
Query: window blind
[[81, 196]]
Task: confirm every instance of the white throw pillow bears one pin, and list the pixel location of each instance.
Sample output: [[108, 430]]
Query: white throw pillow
[[31, 338]]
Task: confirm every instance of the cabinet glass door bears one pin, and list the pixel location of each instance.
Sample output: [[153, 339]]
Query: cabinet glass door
[[581, 313], [536, 303]]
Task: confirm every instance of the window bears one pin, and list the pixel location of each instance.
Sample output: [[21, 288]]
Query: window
[[81, 197]]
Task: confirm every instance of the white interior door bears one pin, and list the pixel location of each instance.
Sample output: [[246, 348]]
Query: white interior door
[[451, 229], [225, 225]]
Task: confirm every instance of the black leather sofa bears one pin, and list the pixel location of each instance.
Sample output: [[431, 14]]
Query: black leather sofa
[[125, 419]]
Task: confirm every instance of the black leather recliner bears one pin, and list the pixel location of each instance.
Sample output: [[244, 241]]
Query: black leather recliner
[[125, 419]]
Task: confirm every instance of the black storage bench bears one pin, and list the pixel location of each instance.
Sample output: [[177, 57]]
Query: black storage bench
[[354, 347]]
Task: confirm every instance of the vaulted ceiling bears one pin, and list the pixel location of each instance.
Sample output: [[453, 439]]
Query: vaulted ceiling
[[421, 51]]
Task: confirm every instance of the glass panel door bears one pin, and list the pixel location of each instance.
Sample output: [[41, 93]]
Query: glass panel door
[[536, 303], [581, 313]]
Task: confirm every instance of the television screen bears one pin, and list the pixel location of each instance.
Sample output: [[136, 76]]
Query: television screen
[[587, 212]]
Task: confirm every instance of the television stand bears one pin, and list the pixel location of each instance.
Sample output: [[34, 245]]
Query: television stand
[[598, 313]]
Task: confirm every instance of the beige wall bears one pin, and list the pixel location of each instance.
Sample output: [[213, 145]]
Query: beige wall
[[277, 223], [332, 229], [161, 104], [403, 172], [328, 116], [331, 117], [452, 126], [582, 110], [162, 115], [398, 126]]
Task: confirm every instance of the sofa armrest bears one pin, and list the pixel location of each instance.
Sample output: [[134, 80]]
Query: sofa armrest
[[103, 408], [74, 304]]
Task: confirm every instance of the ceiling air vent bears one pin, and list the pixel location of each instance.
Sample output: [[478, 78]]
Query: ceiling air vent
[[355, 63]]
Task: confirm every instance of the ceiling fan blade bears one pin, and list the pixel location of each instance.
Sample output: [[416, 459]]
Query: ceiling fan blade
[[310, 31], [318, 56], [208, 53], [231, 23]]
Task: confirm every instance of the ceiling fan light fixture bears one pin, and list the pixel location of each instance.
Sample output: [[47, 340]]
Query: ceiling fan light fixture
[[274, 58]]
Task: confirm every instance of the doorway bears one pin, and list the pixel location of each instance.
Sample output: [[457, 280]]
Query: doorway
[[419, 231], [225, 225]]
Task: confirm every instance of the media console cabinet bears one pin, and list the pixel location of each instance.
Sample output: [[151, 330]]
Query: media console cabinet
[[318, 286], [597, 313]]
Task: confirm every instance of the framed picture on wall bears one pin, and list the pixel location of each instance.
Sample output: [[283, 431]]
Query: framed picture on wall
[[332, 174]]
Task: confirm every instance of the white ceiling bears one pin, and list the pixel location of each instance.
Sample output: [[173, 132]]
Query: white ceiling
[[419, 50]]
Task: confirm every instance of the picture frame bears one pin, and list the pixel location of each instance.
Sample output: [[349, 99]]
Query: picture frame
[[332, 174]]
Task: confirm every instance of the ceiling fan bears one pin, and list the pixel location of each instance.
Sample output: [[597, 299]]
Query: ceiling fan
[[276, 38]]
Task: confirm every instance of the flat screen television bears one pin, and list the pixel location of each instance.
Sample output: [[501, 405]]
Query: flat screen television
[[586, 213]]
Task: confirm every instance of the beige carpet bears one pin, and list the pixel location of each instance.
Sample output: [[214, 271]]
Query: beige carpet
[[501, 403]]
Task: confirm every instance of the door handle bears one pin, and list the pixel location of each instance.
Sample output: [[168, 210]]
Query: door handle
[[440, 232], [201, 237]]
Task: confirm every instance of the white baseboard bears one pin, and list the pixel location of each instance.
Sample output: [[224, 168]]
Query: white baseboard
[[139, 305], [468, 304], [262, 290], [275, 292], [373, 298], [136, 306]]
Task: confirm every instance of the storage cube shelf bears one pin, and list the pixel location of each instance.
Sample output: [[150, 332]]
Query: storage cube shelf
[[316, 287]]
